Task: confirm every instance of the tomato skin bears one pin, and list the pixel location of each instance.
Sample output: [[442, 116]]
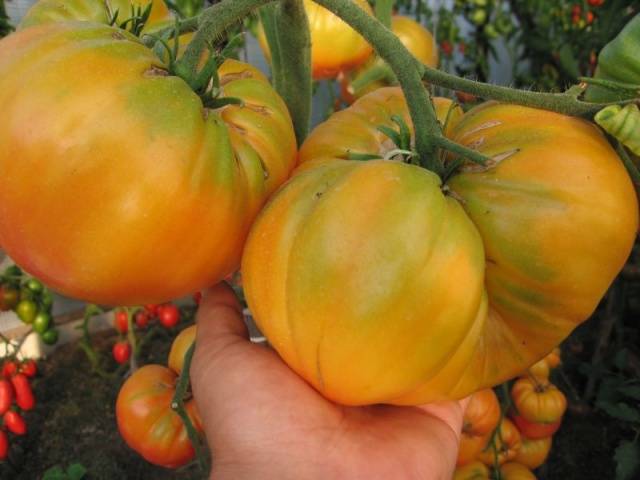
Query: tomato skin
[[9, 369], [204, 202], [472, 471], [535, 431], [335, 46], [533, 452], [6, 395], [152, 309], [29, 368], [14, 422], [168, 315], [27, 311], [121, 321], [9, 298], [142, 319], [55, 11], [41, 322], [516, 471], [507, 445], [50, 336], [121, 352], [179, 347], [470, 447], [482, 414], [146, 421], [397, 204], [538, 401], [4, 445], [23, 393]]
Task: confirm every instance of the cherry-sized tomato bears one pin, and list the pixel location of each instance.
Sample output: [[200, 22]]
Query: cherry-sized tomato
[[169, 315], [24, 395], [29, 368], [121, 352], [9, 368], [142, 319], [4, 445], [6, 395], [14, 422], [121, 321]]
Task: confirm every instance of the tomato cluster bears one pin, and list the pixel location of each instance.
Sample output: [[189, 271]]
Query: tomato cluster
[[30, 300], [520, 442], [16, 397]]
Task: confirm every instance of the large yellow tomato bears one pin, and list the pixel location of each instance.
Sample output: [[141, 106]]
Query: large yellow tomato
[[118, 186], [55, 11], [335, 46], [333, 266]]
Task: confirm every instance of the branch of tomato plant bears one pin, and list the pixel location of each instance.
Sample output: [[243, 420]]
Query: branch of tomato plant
[[286, 27], [177, 404], [566, 103], [131, 337]]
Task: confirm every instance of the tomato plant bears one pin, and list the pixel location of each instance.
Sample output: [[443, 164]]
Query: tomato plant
[[146, 420], [203, 206]]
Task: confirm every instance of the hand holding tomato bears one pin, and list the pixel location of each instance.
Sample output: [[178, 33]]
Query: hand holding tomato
[[231, 377]]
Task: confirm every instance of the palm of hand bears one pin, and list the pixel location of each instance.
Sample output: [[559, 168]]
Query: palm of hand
[[264, 422]]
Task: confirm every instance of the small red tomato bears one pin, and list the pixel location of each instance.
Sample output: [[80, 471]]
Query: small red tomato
[[24, 396], [595, 3], [6, 395], [576, 10], [121, 321], [29, 368], [4, 445], [142, 319], [152, 309], [121, 352], [15, 423], [9, 369], [169, 315], [446, 47], [590, 17], [197, 297]]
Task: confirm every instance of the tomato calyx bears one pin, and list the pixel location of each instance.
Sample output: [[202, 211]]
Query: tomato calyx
[[135, 23]]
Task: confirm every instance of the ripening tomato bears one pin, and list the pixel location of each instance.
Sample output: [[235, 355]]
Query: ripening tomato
[[505, 445], [142, 319], [538, 401], [9, 368], [470, 447], [29, 368], [480, 419], [23, 393], [27, 311], [14, 422], [146, 421], [532, 430], [516, 471], [337, 263], [554, 359], [179, 348], [533, 452], [173, 179], [50, 11], [6, 395], [373, 74], [4, 445], [9, 297], [168, 315], [152, 309], [335, 46], [540, 370], [473, 471], [121, 352], [121, 321]]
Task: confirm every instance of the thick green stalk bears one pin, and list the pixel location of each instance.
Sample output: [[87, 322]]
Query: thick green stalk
[[177, 404], [287, 30], [383, 11], [565, 103]]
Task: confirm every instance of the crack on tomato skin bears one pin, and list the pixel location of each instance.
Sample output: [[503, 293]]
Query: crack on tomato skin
[[492, 163], [232, 77], [261, 109], [155, 71], [118, 36]]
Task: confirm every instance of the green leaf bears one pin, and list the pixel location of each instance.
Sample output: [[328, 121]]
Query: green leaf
[[568, 61], [54, 473], [627, 458], [621, 411], [76, 471]]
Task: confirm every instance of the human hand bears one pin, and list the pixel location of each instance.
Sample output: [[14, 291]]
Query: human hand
[[263, 421]]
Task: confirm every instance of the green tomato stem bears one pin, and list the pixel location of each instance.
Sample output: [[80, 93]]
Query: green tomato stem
[[384, 10], [287, 30], [177, 405], [631, 167], [131, 337]]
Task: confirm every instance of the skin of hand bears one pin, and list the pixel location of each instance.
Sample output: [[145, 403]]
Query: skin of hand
[[262, 421]]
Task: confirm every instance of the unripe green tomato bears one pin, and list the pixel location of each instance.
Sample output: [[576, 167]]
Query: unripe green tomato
[[27, 311], [50, 336], [481, 3], [478, 16], [490, 31], [41, 322], [47, 299], [503, 24], [34, 285]]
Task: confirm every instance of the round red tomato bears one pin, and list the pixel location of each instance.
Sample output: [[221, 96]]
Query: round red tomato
[[121, 352], [121, 321], [168, 315], [135, 175], [142, 319], [146, 421]]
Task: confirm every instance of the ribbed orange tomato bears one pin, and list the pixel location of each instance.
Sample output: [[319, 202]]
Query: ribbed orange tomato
[[538, 401], [480, 419], [339, 268], [146, 421], [505, 445], [534, 430], [179, 348], [473, 471], [55, 11], [372, 75], [470, 447], [335, 46], [533, 453], [127, 189], [516, 471]]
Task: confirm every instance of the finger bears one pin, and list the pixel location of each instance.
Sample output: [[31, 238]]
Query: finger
[[220, 315]]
